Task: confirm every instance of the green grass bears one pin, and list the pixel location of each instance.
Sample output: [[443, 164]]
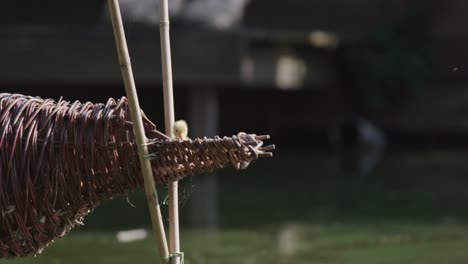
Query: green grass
[[290, 243]]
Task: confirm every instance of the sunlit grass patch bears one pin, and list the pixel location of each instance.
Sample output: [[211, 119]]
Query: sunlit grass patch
[[334, 243]]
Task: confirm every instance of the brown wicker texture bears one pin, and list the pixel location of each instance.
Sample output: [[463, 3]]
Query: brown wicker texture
[[60, 160]]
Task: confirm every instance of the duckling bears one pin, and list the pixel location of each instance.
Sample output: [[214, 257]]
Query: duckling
[[181, 130]]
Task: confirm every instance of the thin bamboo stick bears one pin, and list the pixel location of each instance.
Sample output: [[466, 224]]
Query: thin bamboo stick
[[174, 242], [141, 140]]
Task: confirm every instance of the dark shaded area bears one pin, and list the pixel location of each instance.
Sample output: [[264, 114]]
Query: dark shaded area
[[407, 186], [399, 65], [52, 12]]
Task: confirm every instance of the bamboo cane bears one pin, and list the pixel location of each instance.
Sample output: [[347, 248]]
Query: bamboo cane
[[174, 243], [141, 140]]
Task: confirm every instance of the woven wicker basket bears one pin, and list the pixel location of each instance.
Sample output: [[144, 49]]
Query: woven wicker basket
[[60, 160]]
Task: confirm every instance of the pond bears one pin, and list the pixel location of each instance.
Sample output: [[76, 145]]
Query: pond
[[298, 208]]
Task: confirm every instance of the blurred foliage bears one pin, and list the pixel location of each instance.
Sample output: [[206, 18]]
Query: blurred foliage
[[395, 62]]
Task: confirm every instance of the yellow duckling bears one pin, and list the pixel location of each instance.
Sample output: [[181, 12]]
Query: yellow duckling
[[181, 130]]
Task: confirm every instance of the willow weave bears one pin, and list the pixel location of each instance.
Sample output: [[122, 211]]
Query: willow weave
[[59, 160]]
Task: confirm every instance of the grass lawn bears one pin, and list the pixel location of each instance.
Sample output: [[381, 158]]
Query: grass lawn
[[290, 243]]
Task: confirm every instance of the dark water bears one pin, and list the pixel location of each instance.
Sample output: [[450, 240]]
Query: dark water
[[297, 208], [429, 186]]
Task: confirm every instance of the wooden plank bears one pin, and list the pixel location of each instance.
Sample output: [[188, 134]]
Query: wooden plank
[[343, 17], [88, 56]]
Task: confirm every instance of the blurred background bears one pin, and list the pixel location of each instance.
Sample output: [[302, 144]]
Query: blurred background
[[366, 101]]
